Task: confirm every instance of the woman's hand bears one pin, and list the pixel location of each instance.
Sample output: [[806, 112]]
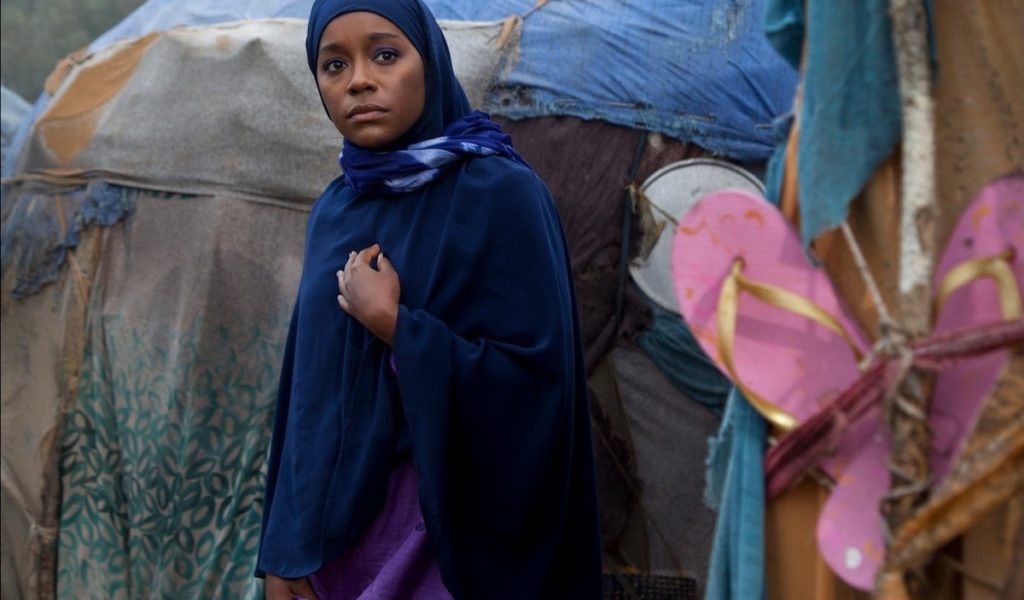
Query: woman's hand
[[371, 295], [279, 588]]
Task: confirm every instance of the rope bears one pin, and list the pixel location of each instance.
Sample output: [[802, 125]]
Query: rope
[[509, 25], [540, 4], [885, 317]]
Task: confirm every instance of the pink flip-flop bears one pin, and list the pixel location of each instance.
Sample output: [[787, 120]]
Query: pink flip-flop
[[988, 239], [787, 364], [787, 342], [781, 359]]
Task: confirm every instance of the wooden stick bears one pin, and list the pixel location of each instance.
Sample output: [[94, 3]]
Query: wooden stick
[[907, 410]]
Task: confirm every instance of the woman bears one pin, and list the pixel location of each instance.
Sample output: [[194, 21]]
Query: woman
[[432, 432]]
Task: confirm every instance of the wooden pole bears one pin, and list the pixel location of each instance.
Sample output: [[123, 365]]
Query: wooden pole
[[907, 410]]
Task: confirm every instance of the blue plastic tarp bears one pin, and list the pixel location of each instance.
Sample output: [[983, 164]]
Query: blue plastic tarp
[[697, 70], [158, 15]]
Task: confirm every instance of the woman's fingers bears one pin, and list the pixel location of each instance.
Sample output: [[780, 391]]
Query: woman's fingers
[[384, 265], [345, 271], [302, 588], [352, 276], [279, 588], [368, 254]]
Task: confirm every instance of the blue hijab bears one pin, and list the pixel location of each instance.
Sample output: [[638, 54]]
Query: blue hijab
[[488, 397], [445, 133]]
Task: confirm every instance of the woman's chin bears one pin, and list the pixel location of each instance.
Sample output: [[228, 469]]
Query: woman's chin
[[370, 137]]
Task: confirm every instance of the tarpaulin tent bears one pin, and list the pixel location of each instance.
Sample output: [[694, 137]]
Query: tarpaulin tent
[[152, 242]]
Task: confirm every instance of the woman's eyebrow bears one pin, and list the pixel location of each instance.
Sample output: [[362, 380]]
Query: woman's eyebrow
[[330, 47], [373, 37]]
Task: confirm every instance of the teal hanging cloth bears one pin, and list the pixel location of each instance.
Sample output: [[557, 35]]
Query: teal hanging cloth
[[850, 117]]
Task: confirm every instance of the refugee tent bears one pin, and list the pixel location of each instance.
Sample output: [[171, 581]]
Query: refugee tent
[[152, 243]]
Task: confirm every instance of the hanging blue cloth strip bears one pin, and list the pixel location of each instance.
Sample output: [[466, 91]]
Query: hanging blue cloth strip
[[735, 485], [850, 118]]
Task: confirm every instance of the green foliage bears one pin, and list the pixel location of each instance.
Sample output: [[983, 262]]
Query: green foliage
[[36, 34]]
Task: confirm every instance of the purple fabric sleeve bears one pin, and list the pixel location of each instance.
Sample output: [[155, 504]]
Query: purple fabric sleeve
[[393, 559]]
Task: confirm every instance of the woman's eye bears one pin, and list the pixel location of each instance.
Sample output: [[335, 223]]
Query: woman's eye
[[387, 55], [334, 65]]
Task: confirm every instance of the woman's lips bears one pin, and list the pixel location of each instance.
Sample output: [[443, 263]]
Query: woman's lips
[[366, 112], [363, 117]]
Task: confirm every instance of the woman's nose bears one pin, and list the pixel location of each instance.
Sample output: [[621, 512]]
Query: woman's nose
[[362, 79]]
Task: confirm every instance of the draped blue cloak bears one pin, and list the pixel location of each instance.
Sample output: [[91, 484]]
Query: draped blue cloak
[[489, 394]]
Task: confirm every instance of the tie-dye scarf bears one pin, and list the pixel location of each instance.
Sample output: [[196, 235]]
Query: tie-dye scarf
[[408, 169]]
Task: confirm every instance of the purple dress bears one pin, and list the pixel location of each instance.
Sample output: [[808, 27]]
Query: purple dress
[[393, 559]]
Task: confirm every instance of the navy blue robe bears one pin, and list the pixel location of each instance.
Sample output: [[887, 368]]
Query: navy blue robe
[[489, 395]]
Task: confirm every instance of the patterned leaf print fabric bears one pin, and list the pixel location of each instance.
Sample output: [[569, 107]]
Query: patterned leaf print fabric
[[163, 464], [163, 452]]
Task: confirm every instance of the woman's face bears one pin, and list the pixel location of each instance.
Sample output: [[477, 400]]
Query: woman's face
[[371, 79]]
